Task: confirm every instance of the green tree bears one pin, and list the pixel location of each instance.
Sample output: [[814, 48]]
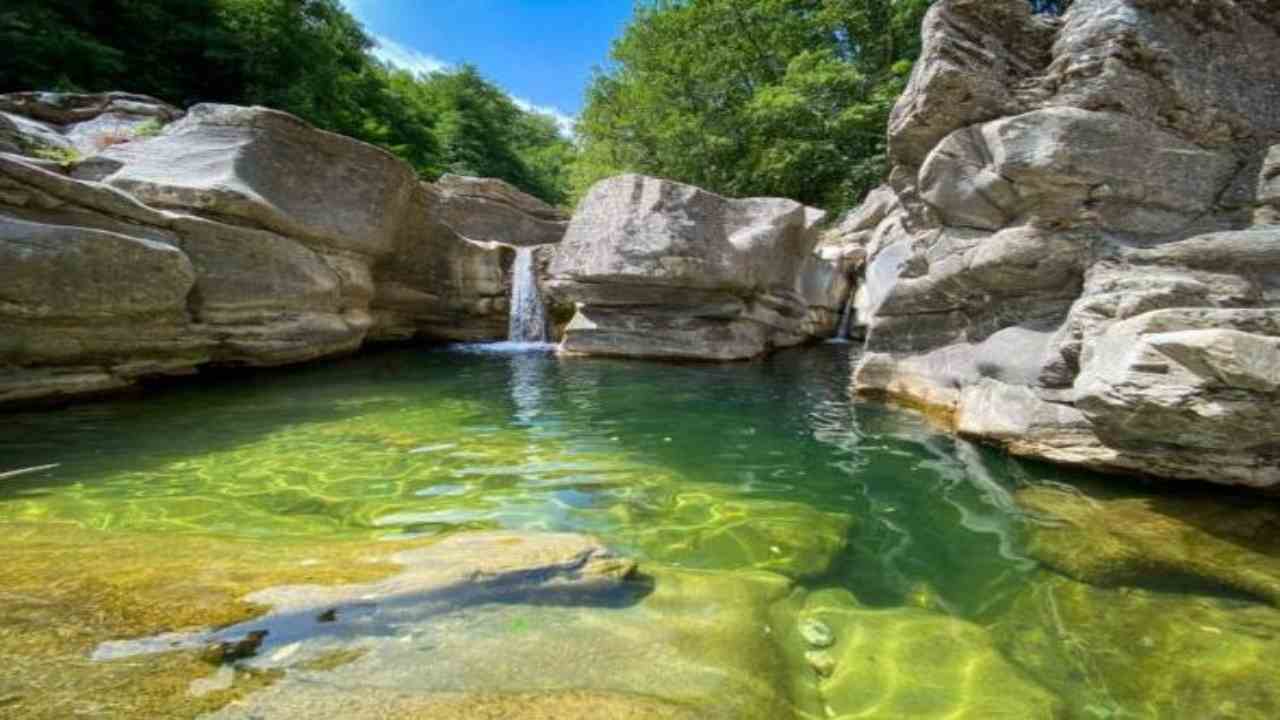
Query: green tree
[[157, 47], [547, 156], [307, 57], [481, 131], [752, 97]]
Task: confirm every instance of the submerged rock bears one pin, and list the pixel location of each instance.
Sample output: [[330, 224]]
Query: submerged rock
[[691, 644], [711, 528], [102, 586], [909, 663], [658, 269], [1134, 653], [459, 570], [1193, 542], [816, 633], [381, 703], [1080, 249], [821, 661]]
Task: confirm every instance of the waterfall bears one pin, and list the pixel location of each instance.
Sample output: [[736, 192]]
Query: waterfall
[[528, 321], [846, 318]]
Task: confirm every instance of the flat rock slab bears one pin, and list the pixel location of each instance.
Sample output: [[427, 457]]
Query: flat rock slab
[[381, 703], [459, 570], [1143, 541], [513, 625], [906, 662], [1172, 655]]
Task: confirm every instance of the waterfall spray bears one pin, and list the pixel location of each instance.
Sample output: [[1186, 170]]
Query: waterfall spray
[[528, 321], [846, 318]]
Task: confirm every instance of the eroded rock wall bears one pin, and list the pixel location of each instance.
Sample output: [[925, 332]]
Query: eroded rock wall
[[1082, 256], [657, 269], [231, 235]]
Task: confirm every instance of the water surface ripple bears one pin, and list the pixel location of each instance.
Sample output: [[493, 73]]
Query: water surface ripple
[[765, 466]]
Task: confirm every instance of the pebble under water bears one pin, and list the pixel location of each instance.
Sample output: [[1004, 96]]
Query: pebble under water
[[806, 554]]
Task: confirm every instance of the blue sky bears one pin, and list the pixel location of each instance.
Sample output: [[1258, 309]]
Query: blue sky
[[540, 51]]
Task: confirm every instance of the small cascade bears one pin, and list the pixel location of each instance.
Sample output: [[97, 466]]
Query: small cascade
[[528, 321], [846, 319]]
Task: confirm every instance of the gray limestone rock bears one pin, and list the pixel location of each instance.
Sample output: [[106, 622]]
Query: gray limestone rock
[[660, 269], [237, 236], [1082, 261]]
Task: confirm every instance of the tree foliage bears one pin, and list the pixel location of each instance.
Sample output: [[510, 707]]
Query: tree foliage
[[753, 97], [744, 97], [307, 57]]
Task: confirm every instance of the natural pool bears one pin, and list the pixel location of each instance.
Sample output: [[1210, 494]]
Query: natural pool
[[766, 508]]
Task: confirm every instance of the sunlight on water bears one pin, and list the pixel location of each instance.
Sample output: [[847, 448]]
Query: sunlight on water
[[766, 466]]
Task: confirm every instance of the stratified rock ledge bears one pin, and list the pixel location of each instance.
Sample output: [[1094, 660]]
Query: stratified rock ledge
[[1080, 255], [138, 240]]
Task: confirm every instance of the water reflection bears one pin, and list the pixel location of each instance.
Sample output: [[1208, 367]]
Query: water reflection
[[769, 466]]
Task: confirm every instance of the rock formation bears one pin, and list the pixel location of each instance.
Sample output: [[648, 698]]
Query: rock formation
[[1077, 254], [77, 124], [233, 236], [656, 269]]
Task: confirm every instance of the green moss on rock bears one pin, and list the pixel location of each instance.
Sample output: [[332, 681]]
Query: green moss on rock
[[909, 663], [710, 527], [1129, 653], [66, 589], [1191, 542]]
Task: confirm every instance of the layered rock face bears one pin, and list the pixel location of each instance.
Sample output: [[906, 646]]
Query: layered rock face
[[79, 124], [653, 268], [1081, 255], [232, 235]]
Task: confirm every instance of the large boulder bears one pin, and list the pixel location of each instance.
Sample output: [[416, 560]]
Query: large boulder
[[448, 273], [664, 270], [230, 235], [490, 210], [1081, 260], [68, 125], [265, 168], [93, 308]]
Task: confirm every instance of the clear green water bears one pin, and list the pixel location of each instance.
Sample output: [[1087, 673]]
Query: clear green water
[[769, 465]]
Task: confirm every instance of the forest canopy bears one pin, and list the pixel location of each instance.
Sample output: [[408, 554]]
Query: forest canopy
[[753, 97], [307, 57], [743, 97]]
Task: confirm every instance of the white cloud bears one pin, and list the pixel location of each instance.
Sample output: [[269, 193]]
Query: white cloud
[[563, 119], [390, 51], [355, 7]]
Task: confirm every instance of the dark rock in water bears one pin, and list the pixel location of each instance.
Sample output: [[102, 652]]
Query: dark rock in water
[[1079, 259], [220, 653], [1189, 543], [509, 622]]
